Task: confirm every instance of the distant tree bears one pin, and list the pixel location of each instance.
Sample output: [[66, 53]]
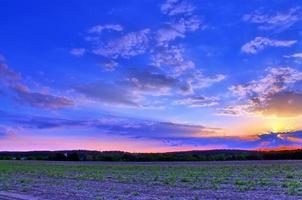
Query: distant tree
[[73, 157]]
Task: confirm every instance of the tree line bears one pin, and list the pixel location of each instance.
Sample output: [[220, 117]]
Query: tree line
[[211, 155]]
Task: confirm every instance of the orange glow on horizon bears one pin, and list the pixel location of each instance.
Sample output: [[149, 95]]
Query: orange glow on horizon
[[280, 148]]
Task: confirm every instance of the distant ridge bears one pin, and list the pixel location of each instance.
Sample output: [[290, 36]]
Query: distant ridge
[[195, 155]]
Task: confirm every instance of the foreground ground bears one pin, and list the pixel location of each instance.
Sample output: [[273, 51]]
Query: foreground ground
[[192, 180]]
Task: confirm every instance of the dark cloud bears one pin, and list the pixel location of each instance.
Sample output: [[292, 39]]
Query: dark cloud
[[198, 101], [155, 82], [12, 81], [174, 134], [39, 100], [109, 93], [131, 88], [37, 122], [277, 140], [285, 104], [109, 124]]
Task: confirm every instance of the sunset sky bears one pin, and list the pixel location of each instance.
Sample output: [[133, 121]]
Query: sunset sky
[[150, 76]]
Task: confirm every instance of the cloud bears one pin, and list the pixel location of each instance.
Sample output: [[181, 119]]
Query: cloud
[[77, 51], [155, 83], [150, 81], [177, 28], [279, 21], [198, 101], [7, 74], [100, 28], [295, 55], [40, 100], [198, 80], [276, 80], [176, 7], [279, 140], [2, 58], [173, 58], [131, 89], [169, 78], [274, 94], [38, 122], [110, 65], [182, 20], [129, 45], [285, 104], [172, 134], [109, 93], [13, 82], [131, 128], [260, 43], [232, 110]]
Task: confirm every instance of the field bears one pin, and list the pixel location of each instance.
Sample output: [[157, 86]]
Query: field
[[159, 180]]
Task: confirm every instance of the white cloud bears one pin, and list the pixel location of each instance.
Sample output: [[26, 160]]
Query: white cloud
[[129, 45], [295, 55], [178, 28], [110, 65], [172, 57], [77, 51], [199, 80], [100, 28], [176, 7], [279, 21], [260, 43], [273, 94]]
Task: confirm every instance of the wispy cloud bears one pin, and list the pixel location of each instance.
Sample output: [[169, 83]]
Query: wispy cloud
[[278, 21], [177, 7], [8, 74], [260, 43], [77, 51], [172, 59], [109, 65], [177, 28], [128, 45], [100, 28], [295, 55]]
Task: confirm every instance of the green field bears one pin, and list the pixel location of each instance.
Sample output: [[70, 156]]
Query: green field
[[207, 180]]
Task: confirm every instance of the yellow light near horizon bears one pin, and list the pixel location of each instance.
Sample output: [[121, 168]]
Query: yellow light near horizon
[[257, 125], [277, 125]]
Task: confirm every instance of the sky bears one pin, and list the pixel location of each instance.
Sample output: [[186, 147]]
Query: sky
[[151, 75]]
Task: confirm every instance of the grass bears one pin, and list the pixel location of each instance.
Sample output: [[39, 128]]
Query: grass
[[285, 177]]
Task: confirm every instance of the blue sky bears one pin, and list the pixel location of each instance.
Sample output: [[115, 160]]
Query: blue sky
[[150, 75]]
